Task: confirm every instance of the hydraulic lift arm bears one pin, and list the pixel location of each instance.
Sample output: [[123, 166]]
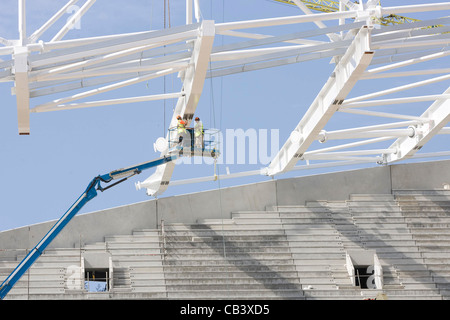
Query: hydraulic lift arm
[[90, 193]]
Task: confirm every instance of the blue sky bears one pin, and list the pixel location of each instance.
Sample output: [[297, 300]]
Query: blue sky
[[43, 174]]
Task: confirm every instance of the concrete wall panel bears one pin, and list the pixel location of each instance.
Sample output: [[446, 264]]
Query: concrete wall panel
[[219, 204]]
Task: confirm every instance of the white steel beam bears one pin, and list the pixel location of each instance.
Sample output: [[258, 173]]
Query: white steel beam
[[111, 71], [266, 40], [111, 53], [109, 102], [247, 35], [71, 22], [399, 88], [296, 168], [353, 134], [38, 33], [385, 115], [220, 27], [188, 11], [111, 87], [344, 77], [406, 63], [350, 145], [349, 4], [320, 24], [383, 102], [416, 8], [406, 73], [22, 23], [194, 78], [22, 91], [438, 114], [221, 69]]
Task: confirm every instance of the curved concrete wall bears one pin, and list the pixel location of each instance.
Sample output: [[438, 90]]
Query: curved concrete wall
[[93, 227]]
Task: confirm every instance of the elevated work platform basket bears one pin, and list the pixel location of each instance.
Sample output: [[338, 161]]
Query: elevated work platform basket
[[189, 143]]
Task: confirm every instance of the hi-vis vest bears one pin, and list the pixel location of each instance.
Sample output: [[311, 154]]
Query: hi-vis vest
[[181, 126], [198, 128]]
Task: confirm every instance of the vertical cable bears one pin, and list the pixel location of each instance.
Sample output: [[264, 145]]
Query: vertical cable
[[164, 78]]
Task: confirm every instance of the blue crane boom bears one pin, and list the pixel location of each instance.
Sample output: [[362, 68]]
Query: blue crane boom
[[90, 193]]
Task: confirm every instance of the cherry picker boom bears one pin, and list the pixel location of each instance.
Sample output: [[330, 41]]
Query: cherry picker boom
[[90, 193]]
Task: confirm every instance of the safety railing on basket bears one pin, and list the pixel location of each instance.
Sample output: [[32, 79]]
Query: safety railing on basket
[[192, 142]]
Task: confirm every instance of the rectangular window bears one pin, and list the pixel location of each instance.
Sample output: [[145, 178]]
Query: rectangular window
[[364, 277], [96, 280]]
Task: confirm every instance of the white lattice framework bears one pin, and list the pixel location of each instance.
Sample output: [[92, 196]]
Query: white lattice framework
[[361, 50]]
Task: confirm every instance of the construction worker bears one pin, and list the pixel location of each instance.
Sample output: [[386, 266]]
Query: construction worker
[[199, 132], [181, 129]]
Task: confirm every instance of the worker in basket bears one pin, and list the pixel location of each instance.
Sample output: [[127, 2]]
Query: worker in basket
[[181, 130], [199, 133]]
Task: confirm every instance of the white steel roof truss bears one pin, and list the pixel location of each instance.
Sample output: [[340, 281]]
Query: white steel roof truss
[[70, 22], [155, 64], [419, 129], [125, 76], [231, 60], [251, 64], [54, 104], [104, 52], [437, 115], [39, 32], [112, 62], [334, 92]]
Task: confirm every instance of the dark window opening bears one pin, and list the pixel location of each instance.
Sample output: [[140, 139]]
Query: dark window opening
[[96, 280], [364, 277]]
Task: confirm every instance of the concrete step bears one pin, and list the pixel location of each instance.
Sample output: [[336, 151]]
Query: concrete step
[[233, 237], [255, 215], [247, 282], [317, 250], [420, 231], [361, 294], [373, 205], [113, 245], [229, 250], [294, 230], [211, 243], [230, 268], [435, 247], [231, 274], [379, 220], [400, 192], [316, 222], [300, 244], [431, 226], [419, 210], [428, 220], [301, 209], [305, 215], [361, 212], [386, 237], [423, 197], [137, 236], [188, 261], [236, 294], [228, 256], [371, 197], [193, 231]]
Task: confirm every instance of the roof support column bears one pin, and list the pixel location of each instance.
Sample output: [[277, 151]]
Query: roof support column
[[21, 89], [20, 69]]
